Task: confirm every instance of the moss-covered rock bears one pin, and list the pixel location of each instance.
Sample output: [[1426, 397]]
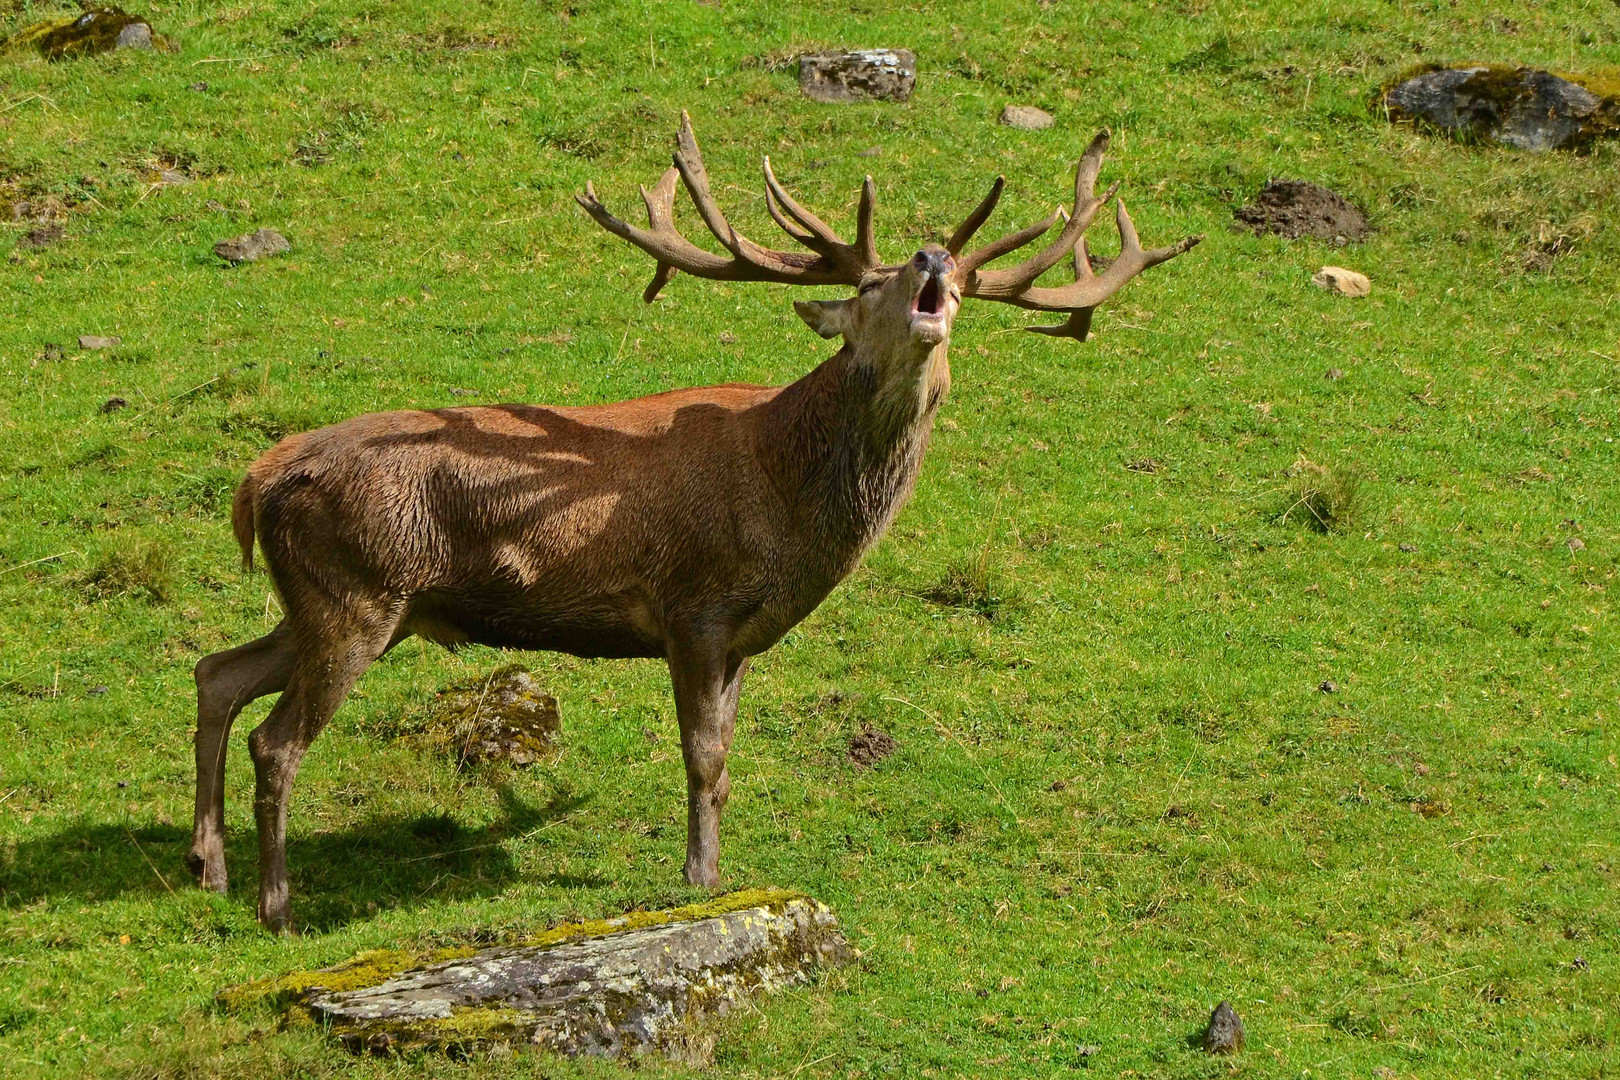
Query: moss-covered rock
[[1517, 106], [643, 981], [97, 30], [504, 716]]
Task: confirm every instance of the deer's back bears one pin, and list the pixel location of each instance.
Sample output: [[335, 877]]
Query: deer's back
[[582, 529]]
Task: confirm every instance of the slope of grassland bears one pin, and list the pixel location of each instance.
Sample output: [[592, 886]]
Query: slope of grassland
[[1099, 635]]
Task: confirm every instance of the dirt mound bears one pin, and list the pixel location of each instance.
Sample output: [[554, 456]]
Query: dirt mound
[[869, 746], [1296, 208]]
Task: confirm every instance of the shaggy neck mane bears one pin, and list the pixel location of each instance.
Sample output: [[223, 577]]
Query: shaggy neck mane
[[843, 444]]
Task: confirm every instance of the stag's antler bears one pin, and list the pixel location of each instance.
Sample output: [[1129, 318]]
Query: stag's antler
[[1017, 285], [833, 263]]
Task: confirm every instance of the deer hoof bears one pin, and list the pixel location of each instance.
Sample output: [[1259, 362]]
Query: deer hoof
[[706, 876], [209, 873]]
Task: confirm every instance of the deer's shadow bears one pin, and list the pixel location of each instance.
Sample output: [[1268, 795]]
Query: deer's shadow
[[337, 877]]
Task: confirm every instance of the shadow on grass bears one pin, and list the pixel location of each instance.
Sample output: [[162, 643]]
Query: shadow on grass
[[337, 877]]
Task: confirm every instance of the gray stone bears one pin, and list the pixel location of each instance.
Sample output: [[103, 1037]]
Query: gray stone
[[864, 75], [1225, 1032], [1027, 117], [253, 246], [1523, 107], [93, 341], [136, 35], [648, 981]]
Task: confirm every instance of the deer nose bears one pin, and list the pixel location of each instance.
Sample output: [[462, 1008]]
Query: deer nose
[[937, 263]]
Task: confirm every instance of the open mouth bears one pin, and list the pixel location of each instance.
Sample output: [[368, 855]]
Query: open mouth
[[931, 299]]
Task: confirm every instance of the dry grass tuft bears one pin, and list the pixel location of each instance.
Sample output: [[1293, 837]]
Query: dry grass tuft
[[141, 569], [1326, 499]]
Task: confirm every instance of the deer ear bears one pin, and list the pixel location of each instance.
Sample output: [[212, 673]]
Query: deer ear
[[829, 318]]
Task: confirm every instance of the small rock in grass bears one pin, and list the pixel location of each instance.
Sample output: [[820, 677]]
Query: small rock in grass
[[199, 87], [113, 404], [1333, 374], [172, 178], [1086, 1050], [253, 246], [1579, 964], [1225, 1032], [728, 338], [463, 391], [1027, 117], [871, 151], [864, 75], [97, 691], [1408, 548], [1575, 543], [1295, 208], [869, 746], [43, 236], [1344, 282], [1329, 686], [93, 341]]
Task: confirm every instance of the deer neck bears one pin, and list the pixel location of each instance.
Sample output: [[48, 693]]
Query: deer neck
[[844, 444]]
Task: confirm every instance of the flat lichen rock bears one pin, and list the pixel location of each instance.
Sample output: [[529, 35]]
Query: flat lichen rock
[[643, 981]]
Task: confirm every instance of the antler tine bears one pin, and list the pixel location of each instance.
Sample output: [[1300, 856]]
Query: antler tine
[[824, 235], [1011, 242], [834, 263], [660, 204], [1078, 324], [689, 161], [981, 213], [1089, 289], [817, 235], [788, 226], [667, 247], [865, 241]]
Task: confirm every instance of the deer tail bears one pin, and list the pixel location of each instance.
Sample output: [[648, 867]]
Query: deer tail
[[242, 515]]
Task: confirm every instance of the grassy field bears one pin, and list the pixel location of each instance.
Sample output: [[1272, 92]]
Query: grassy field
[[1100, 634]]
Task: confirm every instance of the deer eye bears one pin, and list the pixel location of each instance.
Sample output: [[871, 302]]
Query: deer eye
[[868, 286]]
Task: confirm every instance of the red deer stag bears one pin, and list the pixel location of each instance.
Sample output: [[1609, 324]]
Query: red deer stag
[[695, 525]]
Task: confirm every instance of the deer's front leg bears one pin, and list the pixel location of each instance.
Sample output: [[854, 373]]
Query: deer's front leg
[[706, 682]]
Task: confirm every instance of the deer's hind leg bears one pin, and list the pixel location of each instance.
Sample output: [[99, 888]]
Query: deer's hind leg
[[326, 667], [226, 682]]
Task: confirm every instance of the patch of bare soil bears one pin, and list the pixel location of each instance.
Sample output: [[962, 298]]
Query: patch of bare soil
[[1296, 208], [869, 746]]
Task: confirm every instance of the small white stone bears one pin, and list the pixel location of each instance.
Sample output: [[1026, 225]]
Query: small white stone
[[1344, 282]]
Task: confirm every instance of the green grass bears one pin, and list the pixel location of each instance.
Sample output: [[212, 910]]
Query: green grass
[[1119, 800]]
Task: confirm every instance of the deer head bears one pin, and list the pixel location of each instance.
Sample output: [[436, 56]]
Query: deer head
[[905, 308]]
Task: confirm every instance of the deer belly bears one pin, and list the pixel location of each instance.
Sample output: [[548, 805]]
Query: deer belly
[[616, 625]]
